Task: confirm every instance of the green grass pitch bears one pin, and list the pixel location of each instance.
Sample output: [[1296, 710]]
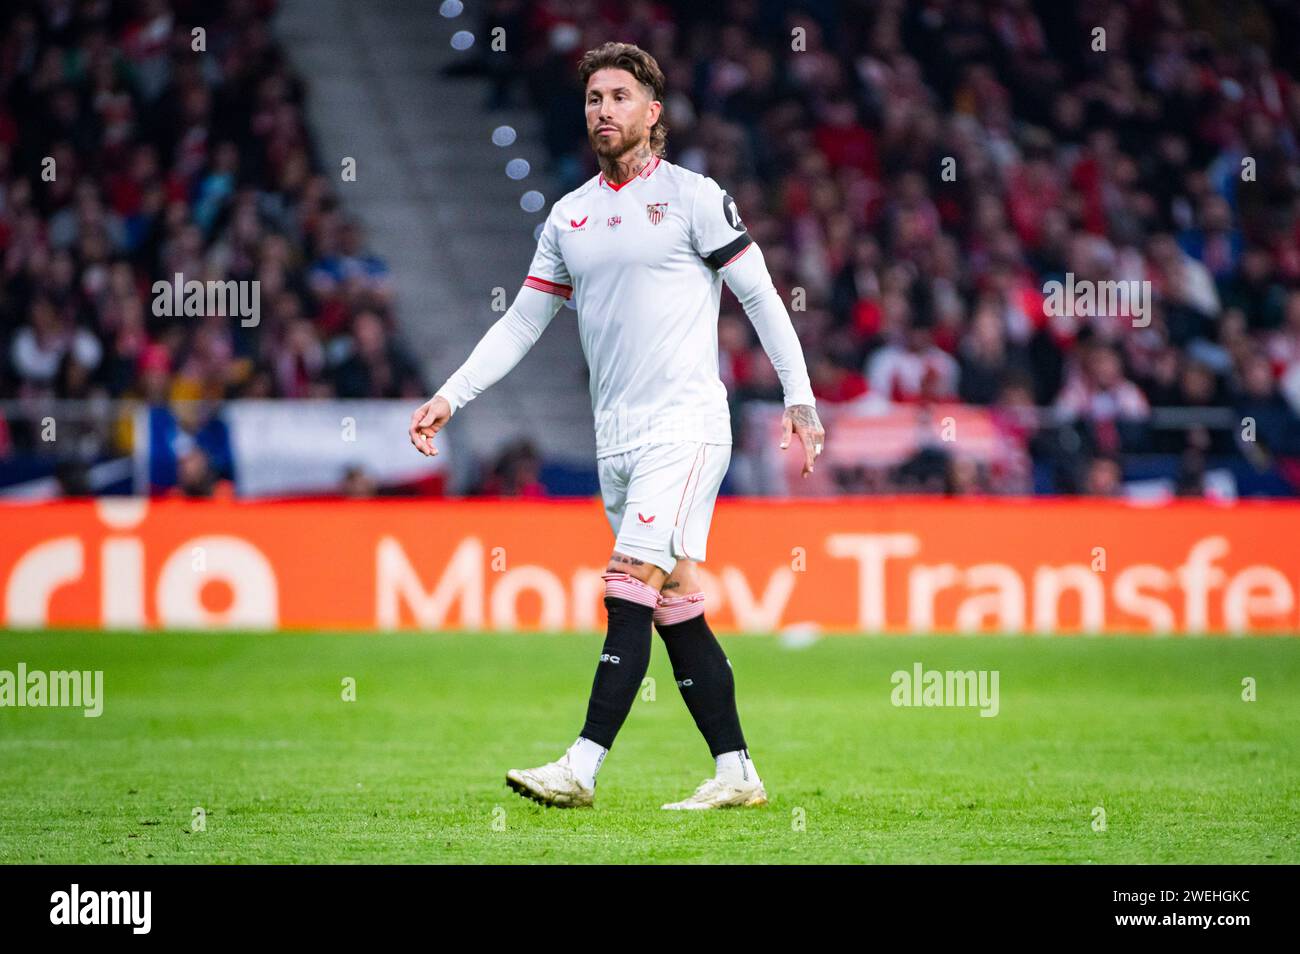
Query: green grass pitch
[[252, 728]]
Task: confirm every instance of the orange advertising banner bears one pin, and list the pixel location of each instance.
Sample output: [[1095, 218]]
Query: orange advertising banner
[[877, 565]]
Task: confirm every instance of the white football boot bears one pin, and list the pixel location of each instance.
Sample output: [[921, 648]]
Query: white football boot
[[554, 783], [715, 793]]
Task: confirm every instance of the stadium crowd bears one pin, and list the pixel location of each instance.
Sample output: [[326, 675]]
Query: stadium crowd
[[920, 169], [133, 150], [916, 171]]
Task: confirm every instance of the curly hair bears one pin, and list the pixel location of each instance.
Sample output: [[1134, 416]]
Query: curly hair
[[628, 56]]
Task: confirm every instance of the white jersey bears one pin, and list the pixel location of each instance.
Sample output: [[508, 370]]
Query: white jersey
[[644, 262]]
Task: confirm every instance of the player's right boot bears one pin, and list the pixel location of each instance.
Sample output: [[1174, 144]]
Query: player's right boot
[[554, 783]]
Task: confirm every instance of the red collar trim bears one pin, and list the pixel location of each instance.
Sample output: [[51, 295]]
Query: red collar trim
[[650, 167]]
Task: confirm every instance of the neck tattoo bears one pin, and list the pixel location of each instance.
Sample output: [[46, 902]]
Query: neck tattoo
[[635, 164]]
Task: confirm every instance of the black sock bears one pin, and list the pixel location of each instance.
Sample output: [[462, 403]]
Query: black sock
[[704, 677], [623, 664]]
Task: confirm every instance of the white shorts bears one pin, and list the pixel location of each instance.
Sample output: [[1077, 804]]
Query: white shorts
[[659, 499]]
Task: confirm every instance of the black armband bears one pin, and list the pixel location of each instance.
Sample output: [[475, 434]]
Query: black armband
[[729, 251]]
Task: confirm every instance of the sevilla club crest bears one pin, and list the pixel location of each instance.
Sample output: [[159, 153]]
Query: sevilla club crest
[[655, 212]]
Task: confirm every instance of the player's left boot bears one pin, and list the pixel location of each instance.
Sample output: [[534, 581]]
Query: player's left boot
[[554, 783], [716, 793]]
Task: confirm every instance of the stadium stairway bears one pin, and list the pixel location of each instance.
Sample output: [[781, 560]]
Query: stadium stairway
[[435, 202]]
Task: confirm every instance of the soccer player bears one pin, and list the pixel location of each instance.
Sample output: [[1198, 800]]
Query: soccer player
[[644, 247]]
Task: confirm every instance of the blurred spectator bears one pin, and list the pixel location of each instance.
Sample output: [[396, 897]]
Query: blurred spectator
[[196, 477], [176, 432], [1268, 424], [72, 478], [1103, 477], [915, 369], [48, 343], [986, 358], [516, 473], [375, 367], [834, 383], [1109, 407], [358, 484]]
